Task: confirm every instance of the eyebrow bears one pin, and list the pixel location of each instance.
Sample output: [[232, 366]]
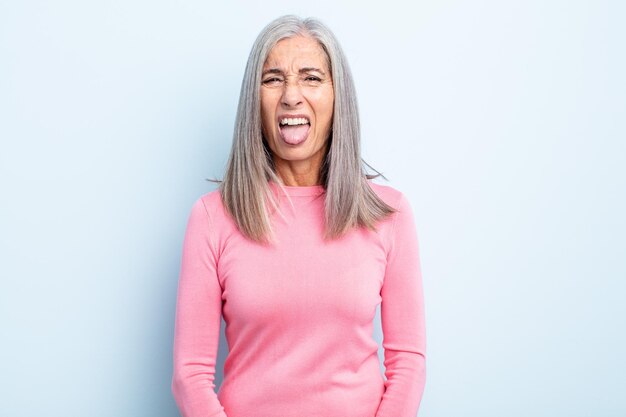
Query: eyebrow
[[302, 71]]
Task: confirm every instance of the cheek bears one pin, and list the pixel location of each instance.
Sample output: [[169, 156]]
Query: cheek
[[265, 108], [266, 114], [331, 107], [326, 106]]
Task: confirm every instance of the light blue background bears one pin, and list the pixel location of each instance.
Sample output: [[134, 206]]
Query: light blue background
[[502, 121]]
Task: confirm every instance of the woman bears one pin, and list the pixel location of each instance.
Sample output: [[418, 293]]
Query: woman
[[296, 249]]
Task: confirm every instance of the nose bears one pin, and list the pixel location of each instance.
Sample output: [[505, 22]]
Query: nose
[[292, 94]]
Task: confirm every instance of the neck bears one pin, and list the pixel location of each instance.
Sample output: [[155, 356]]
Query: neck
[[299, 181], [298, 173]]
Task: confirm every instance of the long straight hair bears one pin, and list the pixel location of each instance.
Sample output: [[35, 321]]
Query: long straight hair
[[245, 190]]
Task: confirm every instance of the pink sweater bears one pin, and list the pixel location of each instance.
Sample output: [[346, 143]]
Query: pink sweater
[[299, 315]]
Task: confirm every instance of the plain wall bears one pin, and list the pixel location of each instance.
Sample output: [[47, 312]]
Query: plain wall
[[502, 121]]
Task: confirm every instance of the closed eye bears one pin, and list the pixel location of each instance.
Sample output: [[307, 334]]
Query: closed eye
[[272, 80]]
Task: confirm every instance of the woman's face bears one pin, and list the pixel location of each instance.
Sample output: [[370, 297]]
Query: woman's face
[[297, 102]]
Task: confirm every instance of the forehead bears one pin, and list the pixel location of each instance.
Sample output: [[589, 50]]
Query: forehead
[[298, 51]]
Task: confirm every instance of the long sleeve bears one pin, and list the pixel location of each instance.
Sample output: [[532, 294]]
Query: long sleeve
[[402, 320], [197, 324]]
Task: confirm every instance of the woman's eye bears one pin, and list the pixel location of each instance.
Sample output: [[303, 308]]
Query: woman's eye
[[273, 80], [313, 78]]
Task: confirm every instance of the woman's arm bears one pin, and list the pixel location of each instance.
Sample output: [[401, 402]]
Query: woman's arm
[[198, 318], [402, 320]]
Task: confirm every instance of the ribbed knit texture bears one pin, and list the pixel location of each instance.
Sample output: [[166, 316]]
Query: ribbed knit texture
[[299, 315]]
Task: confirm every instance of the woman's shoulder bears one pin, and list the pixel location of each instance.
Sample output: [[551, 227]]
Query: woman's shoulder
[[387, 193], [211, 203], [211, 199]]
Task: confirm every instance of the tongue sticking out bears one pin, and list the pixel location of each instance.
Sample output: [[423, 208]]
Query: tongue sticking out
[[294, 134]]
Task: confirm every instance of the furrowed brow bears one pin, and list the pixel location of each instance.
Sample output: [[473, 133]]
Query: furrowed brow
[[272, 71], [311, 69]]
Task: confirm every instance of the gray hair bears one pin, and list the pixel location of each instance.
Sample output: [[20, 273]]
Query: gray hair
[[245, 191]]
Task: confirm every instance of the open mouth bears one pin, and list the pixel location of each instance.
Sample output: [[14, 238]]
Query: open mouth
[[294, 130]]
